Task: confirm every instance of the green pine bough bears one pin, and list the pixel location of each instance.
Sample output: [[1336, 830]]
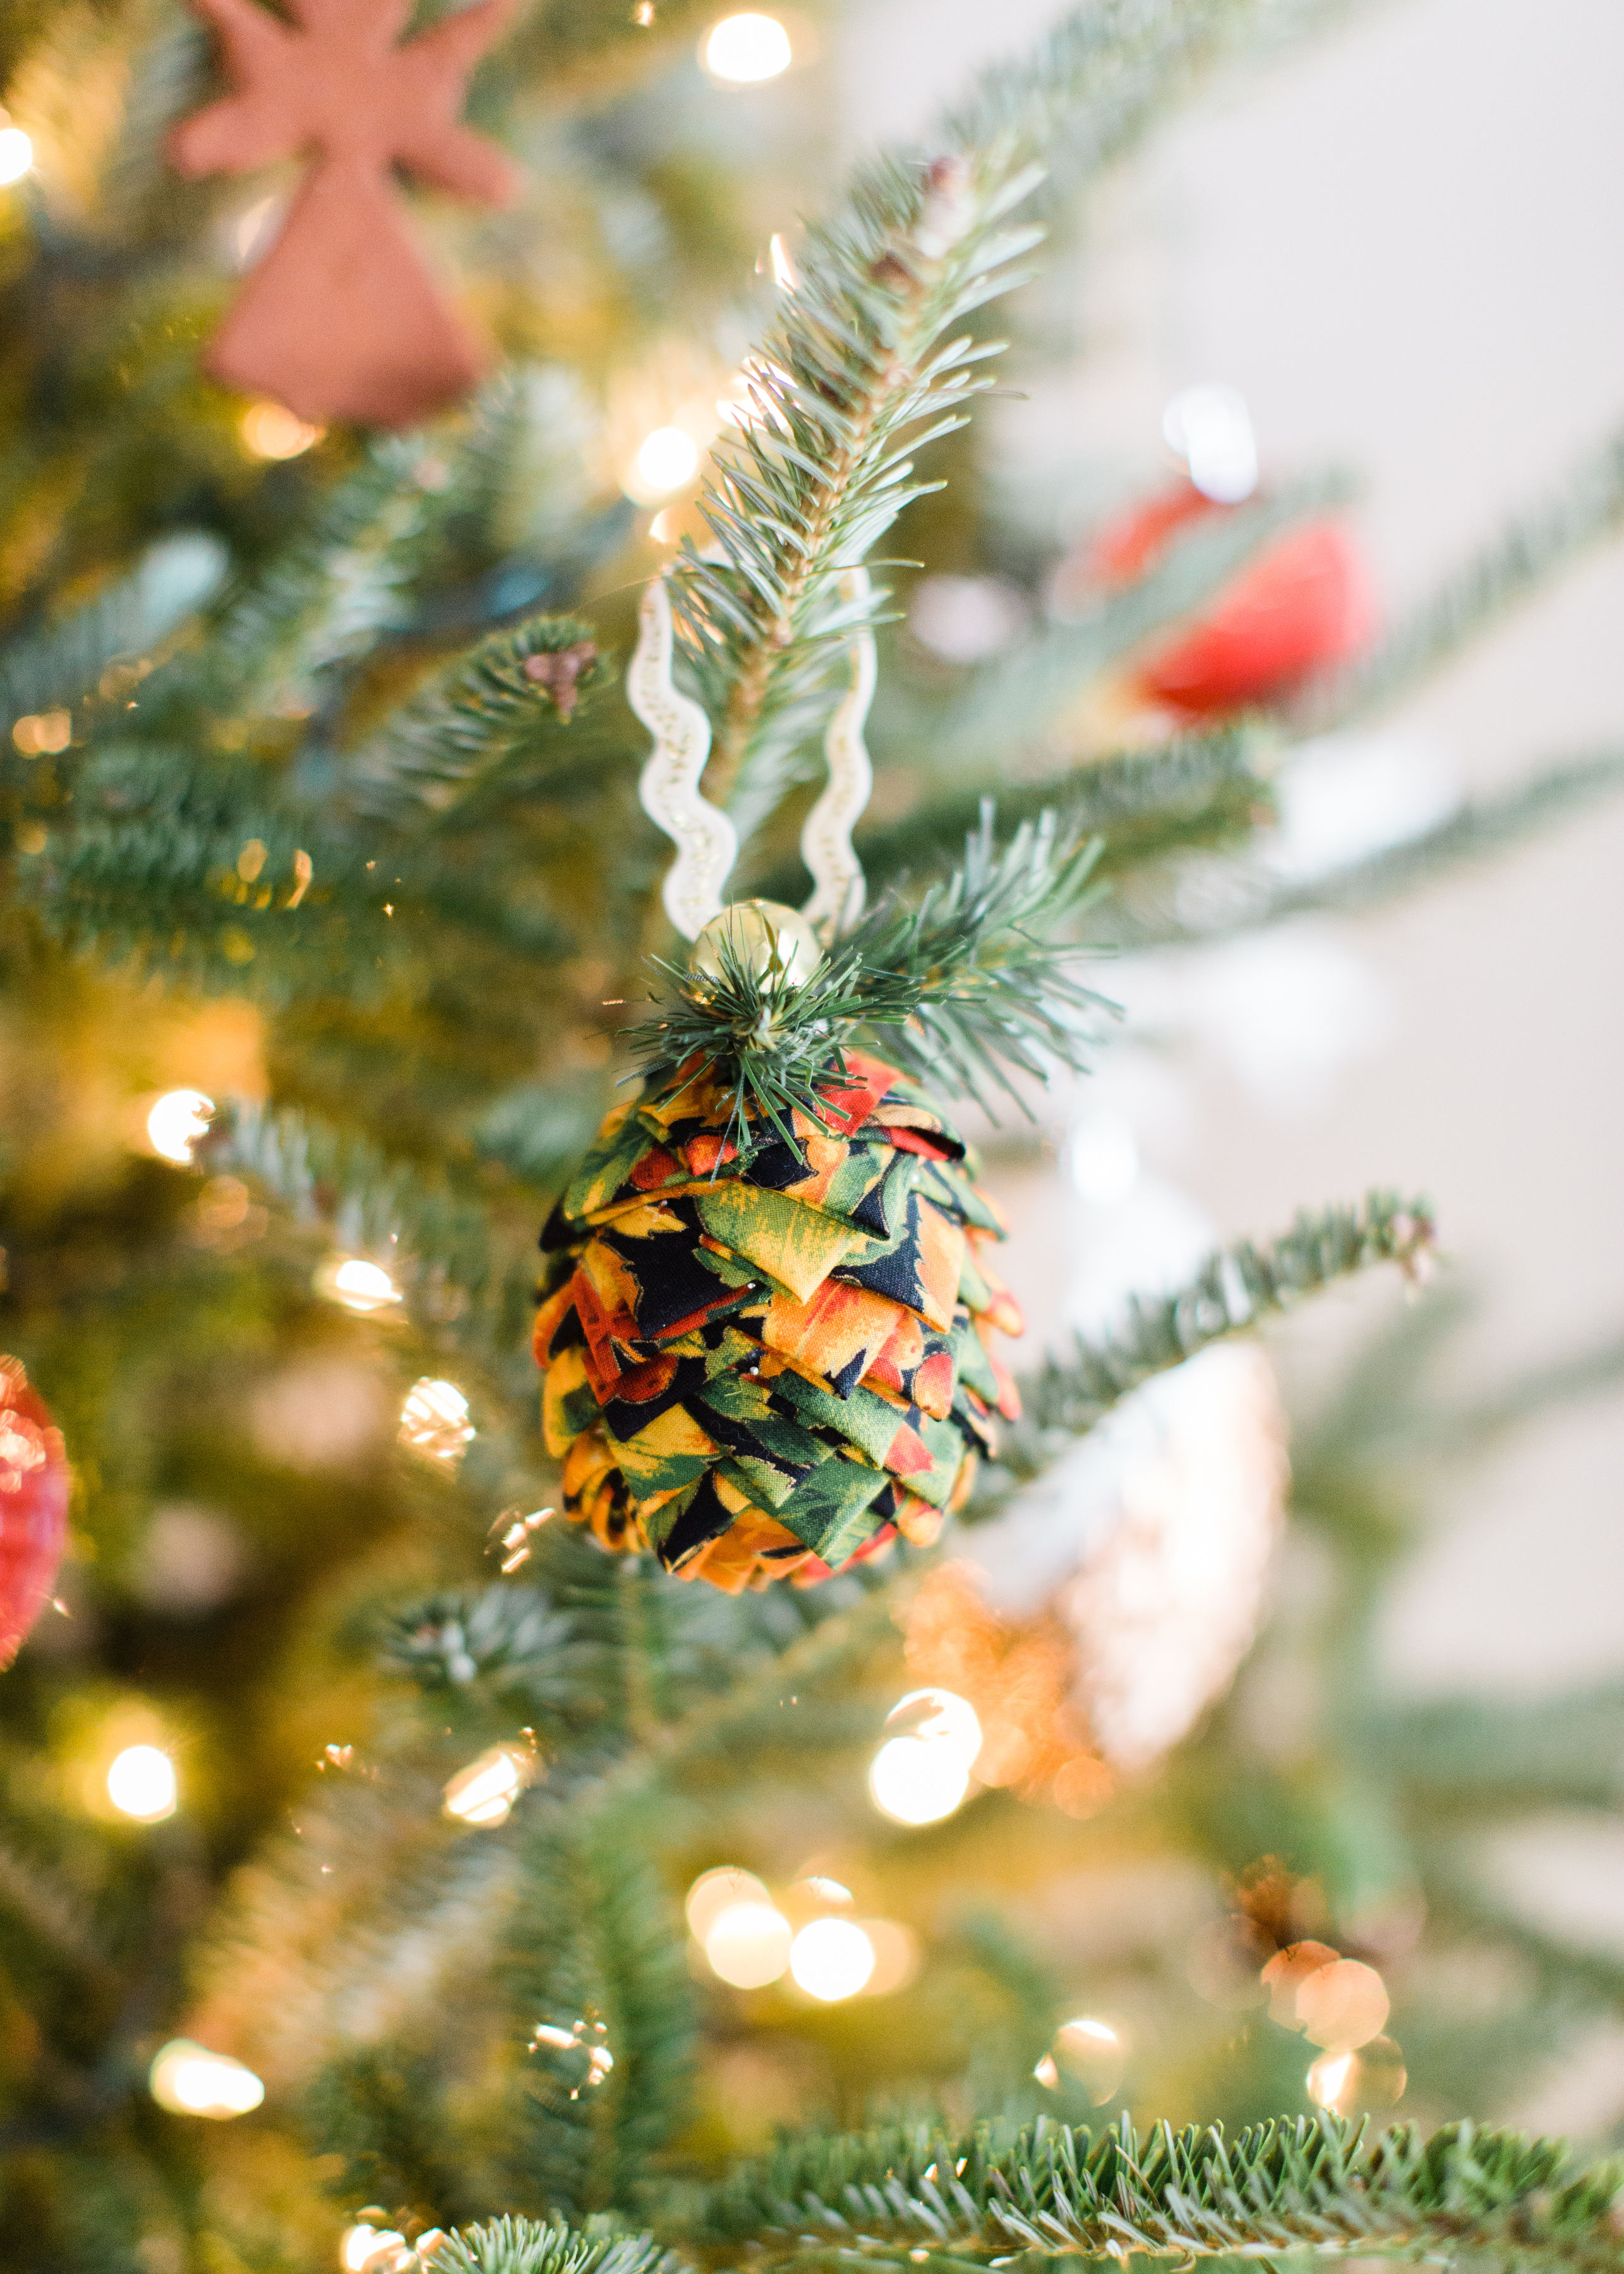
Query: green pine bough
[[1296, 2188]]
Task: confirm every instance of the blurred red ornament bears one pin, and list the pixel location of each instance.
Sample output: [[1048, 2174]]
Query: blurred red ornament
[[1304, 605], [34, 1506]]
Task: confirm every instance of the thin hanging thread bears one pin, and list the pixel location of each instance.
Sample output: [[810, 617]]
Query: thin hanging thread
[[826, 838], [668, 788]]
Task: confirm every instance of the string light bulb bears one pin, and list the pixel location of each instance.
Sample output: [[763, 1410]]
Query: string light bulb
[[831, 1960], [176, 1122], [141, 1783], [16, 152], [484, 1793], [923, 1774], [746, 49], [434, 1420], [365, 2248], [270, 431], [748, 1944], [189, 2080], [359, 1284], [666, 461]]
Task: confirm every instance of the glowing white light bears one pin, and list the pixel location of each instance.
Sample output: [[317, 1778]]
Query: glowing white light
[[1329, 2078], [363, 1286], [666, 460], [749, 1945], [434, 1420], [16, 155], [783, 268], [743, 50], [916, 1781], [190, 2081], [713, 1892], [485, 1790], [831, 1959], [141, 1783], [940, 1717], [1211, 429], [363, 2244], [664, 528], [176, 1122], [828, 1890]]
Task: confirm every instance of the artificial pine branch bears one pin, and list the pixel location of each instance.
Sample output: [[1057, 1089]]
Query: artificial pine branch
[[963, 989], [61, 666], [1477, 830], [1464, 2197], [1588, 507], [866, 366], [525, 2246], [1235, 1290]]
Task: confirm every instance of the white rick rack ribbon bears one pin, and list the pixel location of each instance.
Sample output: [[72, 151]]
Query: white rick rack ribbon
[[668, 787], [706, 841]]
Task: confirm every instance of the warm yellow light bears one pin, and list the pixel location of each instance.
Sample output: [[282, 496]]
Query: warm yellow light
[[663, 529], [715, 1892], [748, 1944], [360, 1286], [141, 1783], [917, 1782], [1329, 2078], [363, 2245], [16, 155], [831, 1959], [270, 431], [176, 1122], [666, 460], [783, 268], [1342, 2006], [828, 1890], [485, 1790], [745, 49], [434, 1420], [43, 734], [190, 2081]]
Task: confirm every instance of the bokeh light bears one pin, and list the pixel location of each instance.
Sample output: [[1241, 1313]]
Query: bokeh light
[[176, 1122], [923, 1774], [715, 1892], [666, 460], [1092, 2054], [1211, 429], [16, 153], [365, 2248], [141, 1783], [1343, 2006], [485, 1790], [270, 431], [896, 1956], [434, 1420], [748, 1944], [43, 734], [359, 1284], [189, 2080], [1357, 2083], [743, 50], [831, 1959]]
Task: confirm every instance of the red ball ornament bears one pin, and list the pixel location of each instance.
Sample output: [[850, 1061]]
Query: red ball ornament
[[34, 1506], [1304, 605]]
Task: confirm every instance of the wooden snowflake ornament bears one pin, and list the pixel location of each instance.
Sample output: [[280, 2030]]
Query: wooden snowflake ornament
[[341, 318]]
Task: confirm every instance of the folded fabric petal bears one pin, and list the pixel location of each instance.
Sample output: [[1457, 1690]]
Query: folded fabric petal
[[765, 1359]]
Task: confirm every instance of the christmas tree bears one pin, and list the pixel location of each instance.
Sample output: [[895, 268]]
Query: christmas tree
[[769, 1785]]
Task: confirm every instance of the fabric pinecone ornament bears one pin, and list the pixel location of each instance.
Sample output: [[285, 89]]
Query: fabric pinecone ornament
[[765, 1359]]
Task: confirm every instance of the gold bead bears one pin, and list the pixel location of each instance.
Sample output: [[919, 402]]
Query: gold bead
[[759, 932]]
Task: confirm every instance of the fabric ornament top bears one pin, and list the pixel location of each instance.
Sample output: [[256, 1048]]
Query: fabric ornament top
[[340, 318], [764, 1361]]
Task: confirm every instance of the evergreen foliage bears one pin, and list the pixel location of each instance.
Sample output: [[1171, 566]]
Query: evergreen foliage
[[342, 791]]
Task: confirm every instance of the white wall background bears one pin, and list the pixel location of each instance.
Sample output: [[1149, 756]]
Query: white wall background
[[1404, 243]]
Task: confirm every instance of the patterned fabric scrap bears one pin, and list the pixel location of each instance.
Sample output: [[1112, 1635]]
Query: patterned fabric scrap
[[764, 1361]]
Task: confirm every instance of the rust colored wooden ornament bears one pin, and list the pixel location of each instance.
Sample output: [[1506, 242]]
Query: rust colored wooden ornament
[[34, 1506], [341, 318]]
